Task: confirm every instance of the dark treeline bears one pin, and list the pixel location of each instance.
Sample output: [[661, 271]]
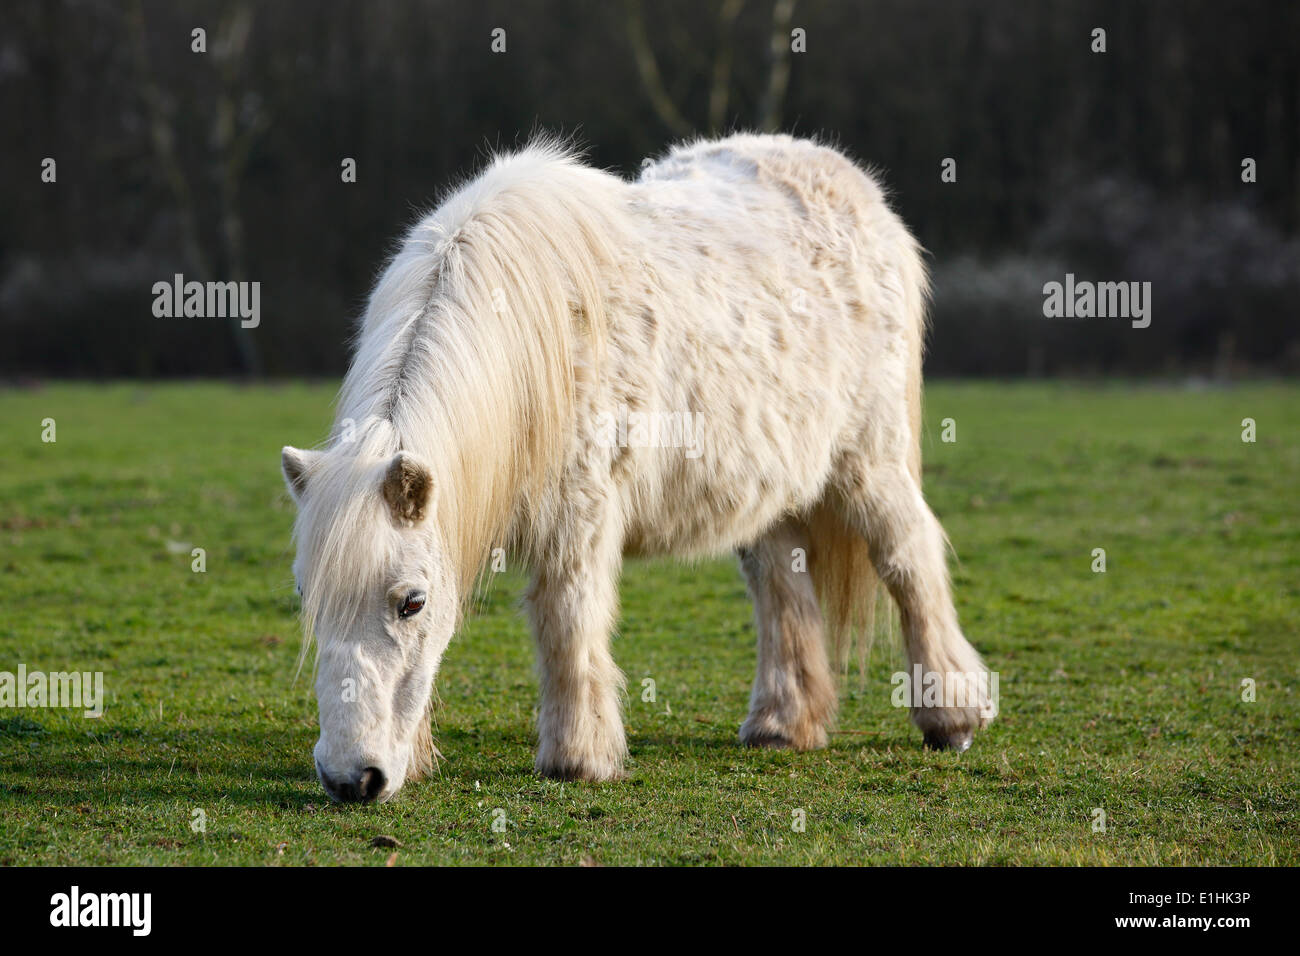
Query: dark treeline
[[1125, 165]]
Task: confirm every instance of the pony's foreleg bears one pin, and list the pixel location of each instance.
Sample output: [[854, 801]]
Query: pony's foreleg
[[907, 548], [572, 603], [794, 693]]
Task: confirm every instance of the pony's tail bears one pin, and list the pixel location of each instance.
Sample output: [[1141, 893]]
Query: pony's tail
[[847, 585]]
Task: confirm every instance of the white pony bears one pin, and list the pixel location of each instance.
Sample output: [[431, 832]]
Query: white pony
[[723, 355]]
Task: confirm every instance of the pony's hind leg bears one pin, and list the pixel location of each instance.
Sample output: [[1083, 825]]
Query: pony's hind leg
[[572, 603], [885, 504], [794, 693]]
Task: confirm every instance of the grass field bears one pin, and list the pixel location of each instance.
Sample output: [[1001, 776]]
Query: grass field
[[1120, 691]]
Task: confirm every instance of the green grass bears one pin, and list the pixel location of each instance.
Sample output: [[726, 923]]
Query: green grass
[[1119, 690]]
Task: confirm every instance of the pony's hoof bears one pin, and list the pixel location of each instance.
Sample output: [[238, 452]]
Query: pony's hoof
[[806, 735], [767, 741], [582, 772], [958, 740]]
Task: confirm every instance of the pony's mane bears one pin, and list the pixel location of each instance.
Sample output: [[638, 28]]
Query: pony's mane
[[467, 357]]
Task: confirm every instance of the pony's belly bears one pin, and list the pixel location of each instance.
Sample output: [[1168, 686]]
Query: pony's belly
[[701, 516], [704, 538]]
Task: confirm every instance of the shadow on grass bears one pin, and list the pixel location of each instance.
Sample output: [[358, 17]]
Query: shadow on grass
[[131, 766], [63, 769]]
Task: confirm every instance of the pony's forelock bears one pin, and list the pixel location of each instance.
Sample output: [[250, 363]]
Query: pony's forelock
[[341, 529]]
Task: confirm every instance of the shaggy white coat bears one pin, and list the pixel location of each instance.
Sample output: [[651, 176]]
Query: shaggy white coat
[[757, 287]]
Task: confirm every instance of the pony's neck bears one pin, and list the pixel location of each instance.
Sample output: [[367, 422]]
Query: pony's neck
[[477, 432], [470, 338]]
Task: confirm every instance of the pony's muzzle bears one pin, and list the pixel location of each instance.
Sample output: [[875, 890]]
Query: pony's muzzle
[[364, 787]]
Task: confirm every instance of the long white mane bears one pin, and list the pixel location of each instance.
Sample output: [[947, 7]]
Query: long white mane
[[466, 356]]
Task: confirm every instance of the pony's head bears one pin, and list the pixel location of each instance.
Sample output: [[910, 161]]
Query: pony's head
[[379, 596]]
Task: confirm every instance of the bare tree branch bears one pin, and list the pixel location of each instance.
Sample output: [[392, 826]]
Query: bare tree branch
[[234, 148], [648, 68], [720, 92], [164, 146], [232, 153], [778, 76]]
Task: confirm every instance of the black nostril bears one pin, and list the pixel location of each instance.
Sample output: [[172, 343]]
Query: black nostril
[[371, 784], [364, 788], [340, 790]]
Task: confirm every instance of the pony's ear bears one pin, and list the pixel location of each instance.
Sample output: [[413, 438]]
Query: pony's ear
[[295, 464], [408, 488]]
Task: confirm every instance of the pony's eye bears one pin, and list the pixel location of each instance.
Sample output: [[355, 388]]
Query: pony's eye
[[414, 601]]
